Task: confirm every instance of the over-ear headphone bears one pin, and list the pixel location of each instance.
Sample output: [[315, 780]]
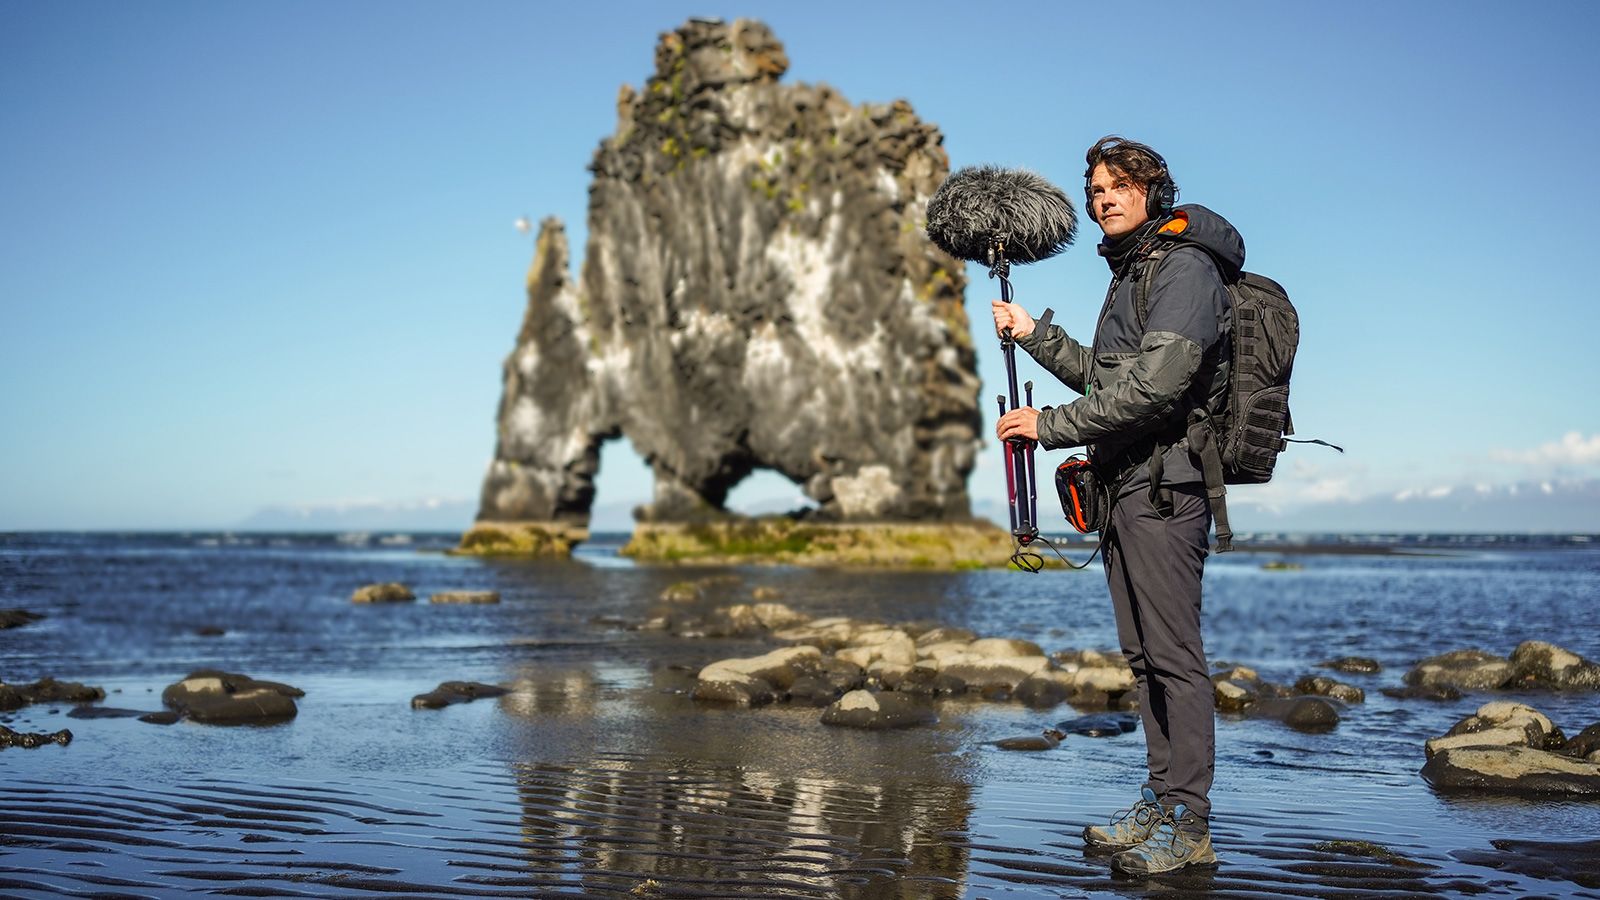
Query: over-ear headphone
[[1161, 195]]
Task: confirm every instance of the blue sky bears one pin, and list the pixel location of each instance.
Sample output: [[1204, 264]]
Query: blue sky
[[261, 254]]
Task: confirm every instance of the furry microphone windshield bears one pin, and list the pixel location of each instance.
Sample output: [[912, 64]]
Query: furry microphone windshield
[[981, 206]]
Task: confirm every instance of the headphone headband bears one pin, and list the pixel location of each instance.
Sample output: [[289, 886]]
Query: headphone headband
[[1161, 194]]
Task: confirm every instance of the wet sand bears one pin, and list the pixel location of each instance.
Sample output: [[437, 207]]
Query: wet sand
[[598, 776]]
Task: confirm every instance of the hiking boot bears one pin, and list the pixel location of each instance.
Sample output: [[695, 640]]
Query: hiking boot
[[1127, 828], [1180, 839]]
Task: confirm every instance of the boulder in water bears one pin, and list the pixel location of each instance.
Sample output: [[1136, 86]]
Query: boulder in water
[[1322, 686], [228, 698], [465, 597], [9, 738], [1584, 744], [1468, 670], [1500, 724], [452, 692], [16, 618], [1049, 739], [864, 709], [1313, 714], [1543, 665], [1100, 725], [1518, 770], [386, 592], [1439, 693], [1354, 665]]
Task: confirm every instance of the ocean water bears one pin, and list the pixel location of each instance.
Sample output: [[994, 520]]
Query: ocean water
[[598, 776]]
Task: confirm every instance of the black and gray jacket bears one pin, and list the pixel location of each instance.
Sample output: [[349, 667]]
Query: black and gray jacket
[[1140, 384]]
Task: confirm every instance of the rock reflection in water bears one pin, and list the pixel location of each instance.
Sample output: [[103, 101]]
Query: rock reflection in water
[[623, 822]]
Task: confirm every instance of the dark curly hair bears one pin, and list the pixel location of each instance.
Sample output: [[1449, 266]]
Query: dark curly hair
[[1132, 160]]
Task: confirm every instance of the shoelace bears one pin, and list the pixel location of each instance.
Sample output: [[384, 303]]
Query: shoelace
[[1168, 829], [1140, 812]]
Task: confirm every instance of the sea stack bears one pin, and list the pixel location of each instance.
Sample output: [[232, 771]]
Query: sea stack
[[757, 292]]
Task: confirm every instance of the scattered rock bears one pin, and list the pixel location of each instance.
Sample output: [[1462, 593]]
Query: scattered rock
[[1235, 696], [888, 644], [1313, 714], [1520, 770], [982, 673], [945, 634], [9, 738], [944, 651], [1100, 725], [227, 698], [16, 618], [1049, 739], [1236, 673], [1371, 851], [1321, 686], [1584, 744], [1355, 665], [1468, 670], [1539, 664], [1004, 647], [451, 692], [465, 597], [1577, 862], [826, 634], [864, 709], [210, 631], [387, 592], [1438, 693], [1237, 688], [757, 680], [104, 712], [49, 690], [763, 592], [1500, 724], [922, 679], [11, 698], [164, 717], [681, 592], [1045, 688]]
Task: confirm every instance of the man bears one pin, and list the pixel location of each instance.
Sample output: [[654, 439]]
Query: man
[[1151, 365]]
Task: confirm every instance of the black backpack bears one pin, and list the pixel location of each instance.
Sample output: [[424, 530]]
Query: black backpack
[[1238, 440]]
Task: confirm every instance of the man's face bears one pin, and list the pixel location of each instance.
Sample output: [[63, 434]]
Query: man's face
[[1117, 203]]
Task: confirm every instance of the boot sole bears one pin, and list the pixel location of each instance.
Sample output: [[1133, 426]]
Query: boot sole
[[1206, 860]]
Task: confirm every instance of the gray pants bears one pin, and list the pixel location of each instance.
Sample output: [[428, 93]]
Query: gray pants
[[1153, 566]]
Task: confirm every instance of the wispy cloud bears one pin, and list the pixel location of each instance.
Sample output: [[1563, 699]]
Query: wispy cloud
[[1572, 450]]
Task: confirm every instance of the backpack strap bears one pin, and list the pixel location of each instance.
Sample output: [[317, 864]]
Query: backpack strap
[[1203, 441], [1141, 286], [1202, 436]]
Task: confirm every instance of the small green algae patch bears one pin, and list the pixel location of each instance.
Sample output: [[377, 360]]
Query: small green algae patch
[[529, 539], [944, 546]]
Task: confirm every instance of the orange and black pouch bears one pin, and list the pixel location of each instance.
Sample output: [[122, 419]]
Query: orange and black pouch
[[1083, 497]]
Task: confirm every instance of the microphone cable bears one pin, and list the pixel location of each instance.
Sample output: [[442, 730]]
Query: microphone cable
[[1029, 561]]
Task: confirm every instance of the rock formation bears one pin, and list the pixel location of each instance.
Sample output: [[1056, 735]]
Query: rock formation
[[757, 292]]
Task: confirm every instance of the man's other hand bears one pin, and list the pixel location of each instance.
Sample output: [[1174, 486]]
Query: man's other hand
[[1019, 423], [1012, 316]]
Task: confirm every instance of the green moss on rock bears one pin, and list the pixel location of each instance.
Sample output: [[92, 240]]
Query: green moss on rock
[[938, 546], [530, 539]]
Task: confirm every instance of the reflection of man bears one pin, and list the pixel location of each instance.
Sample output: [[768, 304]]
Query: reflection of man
[[1160, 350]]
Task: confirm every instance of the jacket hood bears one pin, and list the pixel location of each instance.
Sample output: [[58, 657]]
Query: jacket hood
[[1192, 223]]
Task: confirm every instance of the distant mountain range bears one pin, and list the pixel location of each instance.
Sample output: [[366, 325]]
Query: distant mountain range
[[1559, 506], [414, 515]]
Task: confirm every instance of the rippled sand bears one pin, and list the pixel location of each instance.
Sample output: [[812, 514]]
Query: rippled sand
[[597, 776]]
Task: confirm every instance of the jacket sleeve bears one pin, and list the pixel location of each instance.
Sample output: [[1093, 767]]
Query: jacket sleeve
[[1187, 300], [1059, 354]]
